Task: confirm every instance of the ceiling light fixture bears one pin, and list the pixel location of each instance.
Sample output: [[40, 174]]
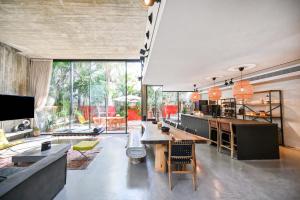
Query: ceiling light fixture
[[146, 47], [214, 93], [245, 66], [195, 96], [149, 2], [150, 18], [231, 81], [148, 35], [242, 89]]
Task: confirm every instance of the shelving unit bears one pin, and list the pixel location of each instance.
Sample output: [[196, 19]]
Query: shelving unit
[[265, 105], [228, 108]]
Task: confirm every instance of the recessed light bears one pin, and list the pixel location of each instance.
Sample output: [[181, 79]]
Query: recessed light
[[246, 67], [211, 77]]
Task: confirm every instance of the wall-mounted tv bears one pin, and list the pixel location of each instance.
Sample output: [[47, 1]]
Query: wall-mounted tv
[[16, 107]]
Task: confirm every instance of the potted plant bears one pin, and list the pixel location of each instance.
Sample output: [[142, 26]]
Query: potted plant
[[36, 132]]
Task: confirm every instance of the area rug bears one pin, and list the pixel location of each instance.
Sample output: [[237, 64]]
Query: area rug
[[76, 161]]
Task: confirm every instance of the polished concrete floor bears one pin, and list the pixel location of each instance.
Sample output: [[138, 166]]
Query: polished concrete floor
[[110, 176]]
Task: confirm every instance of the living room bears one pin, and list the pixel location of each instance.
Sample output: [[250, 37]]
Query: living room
[[149, 99]]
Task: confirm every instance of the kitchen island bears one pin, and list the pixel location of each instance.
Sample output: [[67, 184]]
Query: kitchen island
[[254, 139]]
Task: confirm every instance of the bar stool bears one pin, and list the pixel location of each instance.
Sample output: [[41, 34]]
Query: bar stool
[[213, 126], [225, 128]]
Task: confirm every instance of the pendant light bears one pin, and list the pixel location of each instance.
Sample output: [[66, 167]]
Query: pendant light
[[242, 89], [195, 95], [214, 93], [149, 2]]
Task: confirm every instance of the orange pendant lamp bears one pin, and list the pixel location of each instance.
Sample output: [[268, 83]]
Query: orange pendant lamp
[[195, 95], [214, 93], [242, 89]]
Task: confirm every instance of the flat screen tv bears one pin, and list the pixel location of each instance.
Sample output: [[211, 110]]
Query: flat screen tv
[[16, 107]]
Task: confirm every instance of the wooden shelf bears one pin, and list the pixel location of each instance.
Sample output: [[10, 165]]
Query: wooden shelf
[[260, 104], [264, 117]]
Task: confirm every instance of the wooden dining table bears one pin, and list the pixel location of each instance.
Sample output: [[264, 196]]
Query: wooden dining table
[[152, 135]]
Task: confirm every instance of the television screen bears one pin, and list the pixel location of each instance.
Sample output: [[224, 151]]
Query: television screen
[[16, 107]]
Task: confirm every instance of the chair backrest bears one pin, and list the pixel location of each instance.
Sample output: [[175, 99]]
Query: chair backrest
[[213, 123], [173, 124], [190, 130], [180, 127], [181, 149], [225, 127]]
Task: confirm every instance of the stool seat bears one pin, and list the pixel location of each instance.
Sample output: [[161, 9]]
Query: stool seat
[[85, 145]]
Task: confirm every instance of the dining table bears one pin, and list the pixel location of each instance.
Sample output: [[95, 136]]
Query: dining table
[[152, 135]]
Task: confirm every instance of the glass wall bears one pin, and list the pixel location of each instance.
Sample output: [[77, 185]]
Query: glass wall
[[89, 94], [154, 102], [186, 106], [168, 104]]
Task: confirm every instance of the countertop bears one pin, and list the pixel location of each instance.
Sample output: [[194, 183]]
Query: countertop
[[233, 121]]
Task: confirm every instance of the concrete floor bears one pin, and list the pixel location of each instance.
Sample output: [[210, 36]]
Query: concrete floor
[[111, 176]]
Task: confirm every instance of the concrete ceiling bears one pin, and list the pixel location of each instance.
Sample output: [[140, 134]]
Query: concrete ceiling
[[74, 29], [203, 38]]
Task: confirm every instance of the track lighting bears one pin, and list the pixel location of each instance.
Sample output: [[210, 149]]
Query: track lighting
[[142, 58], [146, 47], [226, 83], [231, 82], [148, 34], [150, 18], [142, 51]]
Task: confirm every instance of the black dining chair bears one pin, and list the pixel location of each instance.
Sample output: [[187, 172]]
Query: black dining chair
[[180, 127], [189, 130], [181, 154], [173, 124]]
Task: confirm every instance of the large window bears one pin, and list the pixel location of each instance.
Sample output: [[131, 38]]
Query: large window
[[168, 104], [88, 94]]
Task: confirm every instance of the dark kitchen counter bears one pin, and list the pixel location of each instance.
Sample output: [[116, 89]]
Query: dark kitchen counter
[[254, 139]]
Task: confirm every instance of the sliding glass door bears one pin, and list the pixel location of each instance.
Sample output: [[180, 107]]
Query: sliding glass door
[[88, 94]]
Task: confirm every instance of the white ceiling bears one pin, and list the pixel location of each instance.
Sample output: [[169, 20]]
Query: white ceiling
[[197, 39], [74, 29]]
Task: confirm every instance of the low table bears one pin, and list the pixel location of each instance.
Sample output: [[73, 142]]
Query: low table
[[36, 154]]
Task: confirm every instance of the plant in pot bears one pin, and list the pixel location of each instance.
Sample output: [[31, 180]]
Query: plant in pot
[[50, 124], [36, 132]]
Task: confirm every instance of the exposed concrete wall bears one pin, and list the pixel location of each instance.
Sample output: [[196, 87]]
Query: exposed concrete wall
[[13, 77]]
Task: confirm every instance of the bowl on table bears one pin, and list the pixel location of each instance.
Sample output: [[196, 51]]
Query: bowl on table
[[154, 122], [165, 129]]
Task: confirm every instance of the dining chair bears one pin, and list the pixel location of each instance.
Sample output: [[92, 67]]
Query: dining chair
[[213, 127], [181, 154], [180, 127], [189, 130], [225, 129], [173, 124]]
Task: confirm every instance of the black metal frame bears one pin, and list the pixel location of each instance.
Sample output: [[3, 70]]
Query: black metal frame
[[126, 61], [270, 118], [228, 100]]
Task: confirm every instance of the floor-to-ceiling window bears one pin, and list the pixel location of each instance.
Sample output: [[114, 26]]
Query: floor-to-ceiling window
[[168, 104], [88, 94], [154, 102]]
